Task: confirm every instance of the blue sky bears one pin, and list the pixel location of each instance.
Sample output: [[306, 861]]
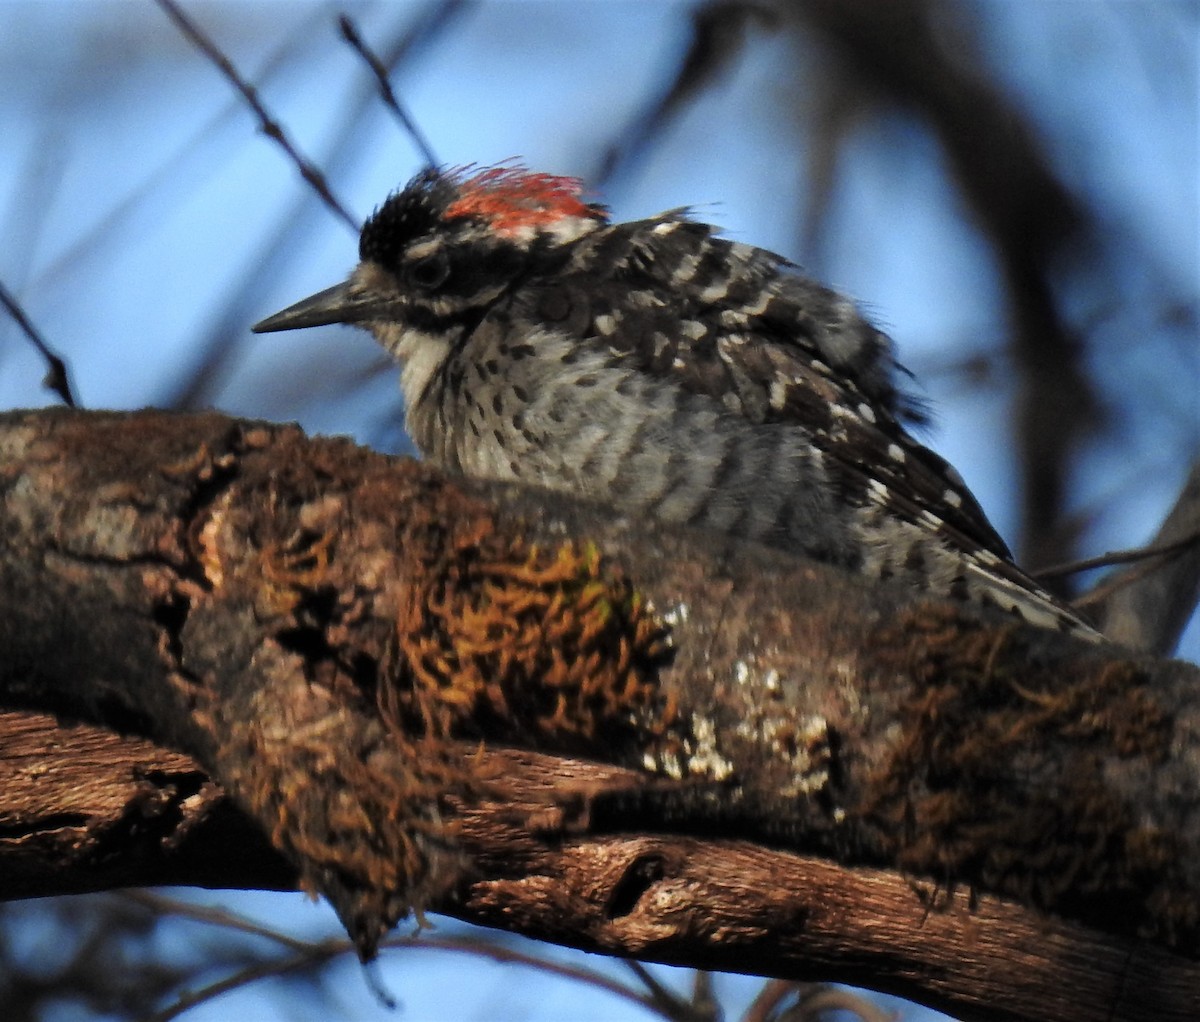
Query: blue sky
[[146, 220]]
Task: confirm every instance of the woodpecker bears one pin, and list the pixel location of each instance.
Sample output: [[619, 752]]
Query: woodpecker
[[661, 369]]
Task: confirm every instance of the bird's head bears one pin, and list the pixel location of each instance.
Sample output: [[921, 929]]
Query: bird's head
[[440, 251]]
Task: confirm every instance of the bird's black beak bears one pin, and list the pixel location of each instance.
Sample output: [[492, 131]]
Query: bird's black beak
[[333, 305]]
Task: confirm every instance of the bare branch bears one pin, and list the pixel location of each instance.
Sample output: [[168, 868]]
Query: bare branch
[[305, 954], [351, 34], [267, 124], [56, 375], [1120, 557], [835, 924], [822, 780]]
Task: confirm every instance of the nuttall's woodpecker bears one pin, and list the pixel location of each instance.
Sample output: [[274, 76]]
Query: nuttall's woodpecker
[[659, 368]]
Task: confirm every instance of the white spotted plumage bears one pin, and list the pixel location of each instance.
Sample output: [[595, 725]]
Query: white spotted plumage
[[662, 369]]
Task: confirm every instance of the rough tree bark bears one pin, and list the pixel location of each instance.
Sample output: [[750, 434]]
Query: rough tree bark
[[234, 656]]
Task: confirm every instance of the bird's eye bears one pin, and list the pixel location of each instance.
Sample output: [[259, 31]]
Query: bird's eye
[[428, 272]]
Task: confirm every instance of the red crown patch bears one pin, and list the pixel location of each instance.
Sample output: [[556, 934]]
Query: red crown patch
[[512, 197]]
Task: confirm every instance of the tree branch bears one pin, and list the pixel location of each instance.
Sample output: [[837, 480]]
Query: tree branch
[[458, 697]]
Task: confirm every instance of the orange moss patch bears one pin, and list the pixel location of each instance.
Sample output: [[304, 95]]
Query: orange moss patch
[[484, 635], [290, 568], [397, 636], [504, 639], [361, 813]]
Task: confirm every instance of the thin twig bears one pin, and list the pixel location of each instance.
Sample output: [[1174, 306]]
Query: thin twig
[[351, 34], [56, 374], [1101, 594], [487, 949], [670, 1006], [704, 997], [770, 996], [813, 1001], [315, 954], [266, 123], [820, 999], [310, 952], [1118, 557], [1148, 605], [213, 916]]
